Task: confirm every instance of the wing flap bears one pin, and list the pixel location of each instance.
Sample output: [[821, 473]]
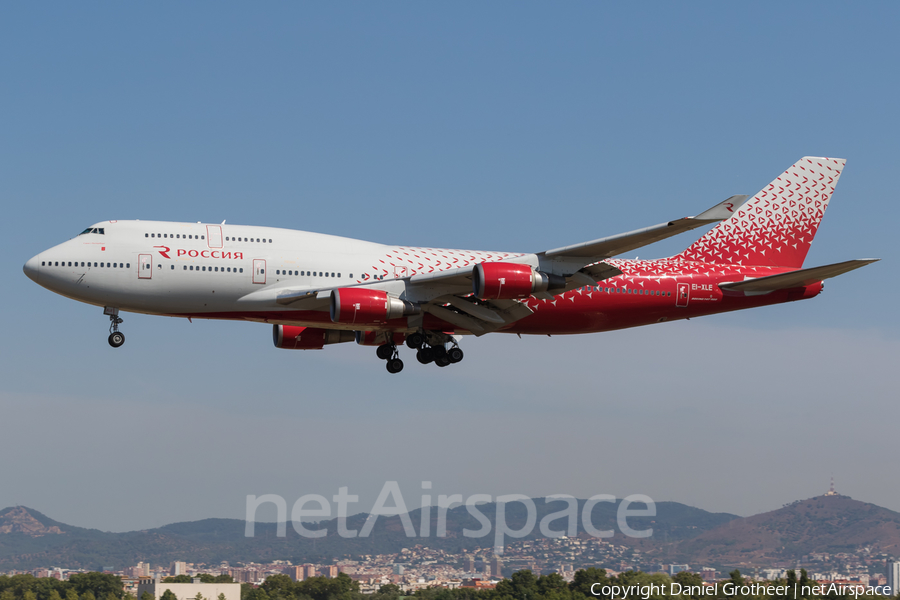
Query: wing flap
[[796, 279]]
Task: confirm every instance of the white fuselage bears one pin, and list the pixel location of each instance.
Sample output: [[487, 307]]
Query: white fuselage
[[170, 268]]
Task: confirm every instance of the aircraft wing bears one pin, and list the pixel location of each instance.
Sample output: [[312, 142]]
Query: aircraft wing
[[447, 294], [796, 279], [624, 242]]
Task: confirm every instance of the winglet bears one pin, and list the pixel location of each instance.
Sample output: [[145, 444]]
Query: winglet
[[723, 210]]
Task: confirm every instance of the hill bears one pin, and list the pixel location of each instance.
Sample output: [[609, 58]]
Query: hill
[[822, 524], [29, 539]]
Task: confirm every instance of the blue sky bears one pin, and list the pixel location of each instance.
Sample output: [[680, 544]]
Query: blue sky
[[500, 126]]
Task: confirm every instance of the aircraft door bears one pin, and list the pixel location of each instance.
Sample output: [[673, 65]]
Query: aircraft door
[[682, 295], [214, 236], [259, 270], [145, 266], [400, 272]]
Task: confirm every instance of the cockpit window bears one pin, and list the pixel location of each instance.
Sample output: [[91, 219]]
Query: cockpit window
[[100, 230], [88, 230]]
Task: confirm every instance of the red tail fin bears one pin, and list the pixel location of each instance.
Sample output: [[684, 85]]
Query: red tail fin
[[777, 225]]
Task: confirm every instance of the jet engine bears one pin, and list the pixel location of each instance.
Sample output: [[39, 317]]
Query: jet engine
[[363, 306], [308, 338], [506, 281]]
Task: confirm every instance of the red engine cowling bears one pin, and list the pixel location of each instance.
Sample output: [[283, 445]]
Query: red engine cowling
[[507, 281], [363, 306], [307, 338]]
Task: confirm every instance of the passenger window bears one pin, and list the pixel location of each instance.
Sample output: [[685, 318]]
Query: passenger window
[[229, 269], [262, 271], [146, 235], [127, 265], [153, 235], [202, 237], [184, 268], [242, 269], [270, 241], [171, 267], [351, 275], [43, 263]]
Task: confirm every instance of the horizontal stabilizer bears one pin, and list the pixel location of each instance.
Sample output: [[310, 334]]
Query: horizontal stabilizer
[[796, 279]]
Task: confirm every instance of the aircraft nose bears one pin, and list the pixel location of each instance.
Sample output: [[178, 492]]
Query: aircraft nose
[[31, 268]]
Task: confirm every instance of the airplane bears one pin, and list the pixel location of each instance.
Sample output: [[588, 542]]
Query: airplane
[[316, 289]]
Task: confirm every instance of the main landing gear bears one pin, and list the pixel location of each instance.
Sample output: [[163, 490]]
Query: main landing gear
[[436, 351], [430, 347], [116, 338], [388, 352]]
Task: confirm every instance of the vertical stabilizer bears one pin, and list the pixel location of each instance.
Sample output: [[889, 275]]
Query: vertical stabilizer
[[777, 225]]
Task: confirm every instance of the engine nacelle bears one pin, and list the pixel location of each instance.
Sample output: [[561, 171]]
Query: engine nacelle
[[507, 281], [307, 338], [363, 306]]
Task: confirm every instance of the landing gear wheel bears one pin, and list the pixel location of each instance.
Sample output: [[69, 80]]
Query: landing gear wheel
[[425, 355], [394, 365], [415, 340], [442, 361], [455, 354], [116, 339], [385, 351], [439, 351]]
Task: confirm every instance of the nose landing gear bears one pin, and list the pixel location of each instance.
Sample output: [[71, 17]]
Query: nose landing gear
[[116, 338]]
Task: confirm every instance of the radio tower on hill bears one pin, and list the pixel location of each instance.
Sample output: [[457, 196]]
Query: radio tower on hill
[[831, 491]]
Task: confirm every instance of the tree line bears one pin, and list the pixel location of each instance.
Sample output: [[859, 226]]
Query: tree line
[[521, 585]]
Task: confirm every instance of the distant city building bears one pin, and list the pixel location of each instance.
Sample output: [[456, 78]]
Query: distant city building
[[673, 569], [330, 571], [469, 564], [893, 577], [188, 591], [497, 566], [178, 568], [398, 569], [295, 573], [487, 570], [708, 574]]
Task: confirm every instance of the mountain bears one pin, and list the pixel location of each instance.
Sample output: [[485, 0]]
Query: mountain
[[29, 539], [829, 523], [681, 534], [19, 519]]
